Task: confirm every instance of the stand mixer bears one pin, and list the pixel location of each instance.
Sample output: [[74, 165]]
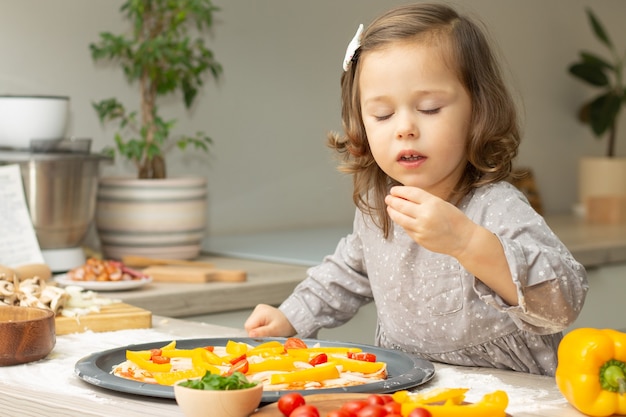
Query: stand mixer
[[60, 176]]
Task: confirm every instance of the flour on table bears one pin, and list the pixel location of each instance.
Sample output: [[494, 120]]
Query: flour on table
[[479, 384], [55, 373]]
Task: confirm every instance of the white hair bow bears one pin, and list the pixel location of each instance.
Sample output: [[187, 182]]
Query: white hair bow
[[352, 47]]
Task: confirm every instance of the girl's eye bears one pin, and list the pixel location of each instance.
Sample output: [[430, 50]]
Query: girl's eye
[[430, 111], [382, 118]]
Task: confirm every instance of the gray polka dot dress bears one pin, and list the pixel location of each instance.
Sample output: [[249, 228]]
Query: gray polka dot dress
[[428, 305]]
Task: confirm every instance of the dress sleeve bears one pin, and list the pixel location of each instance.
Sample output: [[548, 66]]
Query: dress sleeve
[[332, 292], [551, 284]]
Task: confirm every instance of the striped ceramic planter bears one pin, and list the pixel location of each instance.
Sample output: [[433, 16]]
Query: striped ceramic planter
[[156, 218]]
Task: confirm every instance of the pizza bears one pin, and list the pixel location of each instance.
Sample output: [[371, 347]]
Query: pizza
[[290, 365]]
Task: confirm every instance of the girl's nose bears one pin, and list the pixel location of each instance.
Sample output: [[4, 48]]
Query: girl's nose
[[406, 126]]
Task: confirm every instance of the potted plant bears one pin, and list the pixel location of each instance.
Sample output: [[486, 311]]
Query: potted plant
[[602, 182], [160, 56]]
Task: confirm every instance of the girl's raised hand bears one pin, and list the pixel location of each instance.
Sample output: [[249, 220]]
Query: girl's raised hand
[[430, 221]]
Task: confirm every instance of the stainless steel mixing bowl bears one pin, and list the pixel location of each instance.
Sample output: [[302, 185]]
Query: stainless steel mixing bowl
[[60, 190]]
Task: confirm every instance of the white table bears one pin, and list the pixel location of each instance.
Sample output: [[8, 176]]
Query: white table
[[50, 388]]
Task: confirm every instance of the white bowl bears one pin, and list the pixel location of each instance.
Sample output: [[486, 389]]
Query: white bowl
[[214, 403], [24, 118]]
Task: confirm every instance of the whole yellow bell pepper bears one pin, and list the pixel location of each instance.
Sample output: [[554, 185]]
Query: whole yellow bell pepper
[[591, 371]]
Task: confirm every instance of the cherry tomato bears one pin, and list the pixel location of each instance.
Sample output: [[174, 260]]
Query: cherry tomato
[[289, 402], [375, 399], [362, 356], [156, 352], [353, 406], [392, 407], [305, 411], [241, 366], [419, 412], [295, 343], [160, 359], [372, 410], [386, 398], [318, 359], [339, 413], [209, 348]]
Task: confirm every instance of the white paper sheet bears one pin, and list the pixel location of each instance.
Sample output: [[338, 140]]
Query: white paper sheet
[[18, 241]]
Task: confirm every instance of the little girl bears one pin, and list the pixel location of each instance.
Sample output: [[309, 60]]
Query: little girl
[[461, 268]]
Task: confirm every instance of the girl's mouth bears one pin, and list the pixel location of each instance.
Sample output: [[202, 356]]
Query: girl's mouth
[[411, 158]]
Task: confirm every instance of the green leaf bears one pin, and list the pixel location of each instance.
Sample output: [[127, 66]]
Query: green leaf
[[598, 29], [603, 112], [590, 72], [217, 382], [593, 59]]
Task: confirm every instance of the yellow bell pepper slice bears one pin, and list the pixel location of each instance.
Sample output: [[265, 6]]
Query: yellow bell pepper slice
[[266, 351], [202, 359], [591, 371], [139, 359], [431, 396], [352, 365], [267, 345], [177, 353], [211, 357], [170, 345], [492, 405], [170, 378], [317, 373], [235, 349], [272, 364]]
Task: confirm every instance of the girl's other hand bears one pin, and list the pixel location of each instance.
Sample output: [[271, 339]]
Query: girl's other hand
[[268, 321], [430, 221]]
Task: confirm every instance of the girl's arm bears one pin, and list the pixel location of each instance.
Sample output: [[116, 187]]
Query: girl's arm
[[528, 272]]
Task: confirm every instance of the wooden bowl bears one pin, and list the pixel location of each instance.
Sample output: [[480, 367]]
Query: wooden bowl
[[213, 403], [27, 334]]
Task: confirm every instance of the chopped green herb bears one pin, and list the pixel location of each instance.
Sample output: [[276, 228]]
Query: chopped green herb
[[217, 382]]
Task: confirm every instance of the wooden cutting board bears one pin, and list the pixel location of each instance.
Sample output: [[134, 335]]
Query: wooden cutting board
[[118, 316], [193, 274], [325, 403]]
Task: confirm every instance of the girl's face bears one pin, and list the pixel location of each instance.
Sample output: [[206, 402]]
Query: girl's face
[[416, 115]]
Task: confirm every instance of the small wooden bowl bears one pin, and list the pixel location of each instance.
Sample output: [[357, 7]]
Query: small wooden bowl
[[213, 403], [27, 334]]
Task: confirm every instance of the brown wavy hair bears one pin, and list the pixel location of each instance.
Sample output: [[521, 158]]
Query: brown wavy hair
[[494, 135]]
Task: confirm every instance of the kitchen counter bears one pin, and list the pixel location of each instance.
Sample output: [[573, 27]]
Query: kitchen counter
[[591, 244], [50, 388], [267, 282]]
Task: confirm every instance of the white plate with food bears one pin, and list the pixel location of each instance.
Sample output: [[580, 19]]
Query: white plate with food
[[103, 275], [121, 285]]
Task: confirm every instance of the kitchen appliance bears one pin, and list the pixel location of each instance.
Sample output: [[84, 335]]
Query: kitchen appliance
[[60, 175], [24, 118], [60, 186]]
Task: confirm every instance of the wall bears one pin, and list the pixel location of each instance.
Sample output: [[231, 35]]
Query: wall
[[279, 94]]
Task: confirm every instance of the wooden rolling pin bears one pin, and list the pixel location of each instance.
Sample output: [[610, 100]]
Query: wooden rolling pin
[[142, 261], [193, 274]]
